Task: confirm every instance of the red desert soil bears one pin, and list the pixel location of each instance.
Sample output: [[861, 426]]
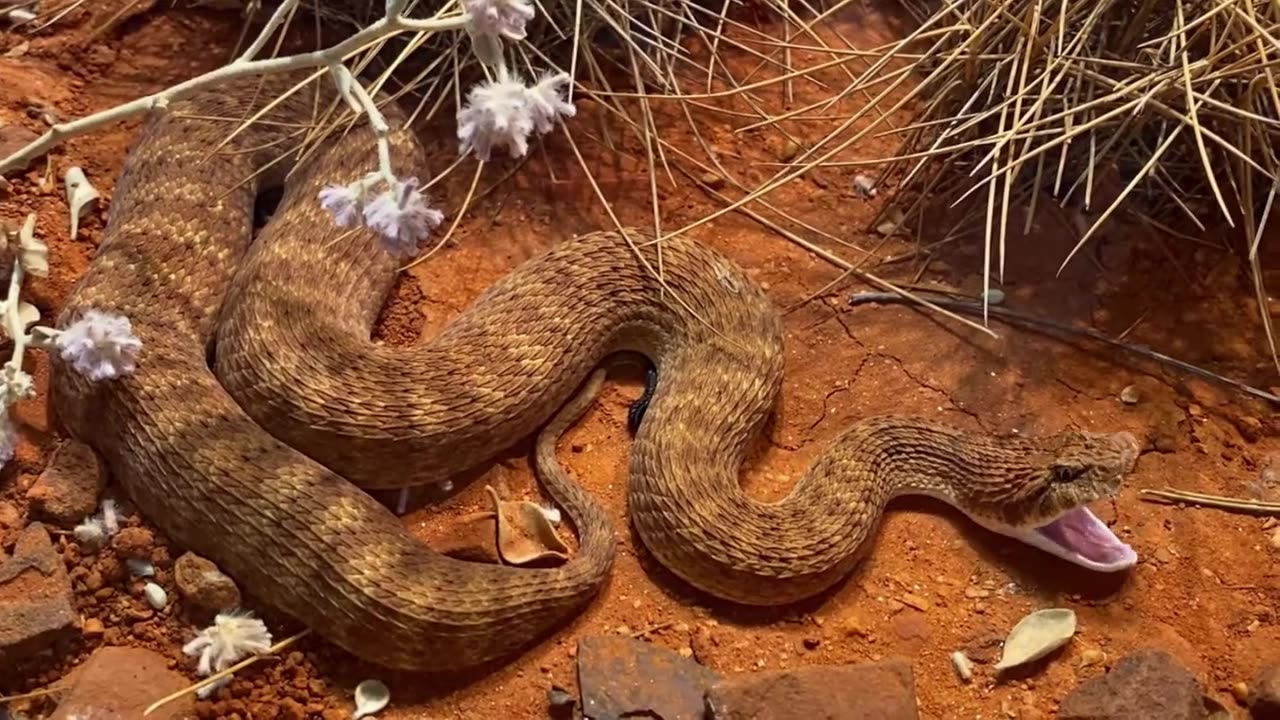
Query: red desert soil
[[1206, 588]]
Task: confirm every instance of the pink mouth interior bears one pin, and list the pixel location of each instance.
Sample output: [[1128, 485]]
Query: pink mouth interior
[[1082, 533]]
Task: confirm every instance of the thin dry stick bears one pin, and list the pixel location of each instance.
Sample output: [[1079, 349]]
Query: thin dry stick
[[1214, 501]]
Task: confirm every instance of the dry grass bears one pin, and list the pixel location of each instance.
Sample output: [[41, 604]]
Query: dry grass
[[1163, 109]]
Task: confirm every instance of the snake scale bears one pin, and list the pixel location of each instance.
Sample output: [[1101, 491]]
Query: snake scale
[[257, 458]]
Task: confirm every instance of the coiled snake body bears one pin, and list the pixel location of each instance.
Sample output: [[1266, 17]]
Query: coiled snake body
[[259, 468]]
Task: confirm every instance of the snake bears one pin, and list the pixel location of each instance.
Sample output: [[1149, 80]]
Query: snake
[[261, 413]]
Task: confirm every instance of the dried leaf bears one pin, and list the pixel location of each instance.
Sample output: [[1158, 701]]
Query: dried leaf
[[1037, 635], [525, 533], [371, 696], [513, 533]]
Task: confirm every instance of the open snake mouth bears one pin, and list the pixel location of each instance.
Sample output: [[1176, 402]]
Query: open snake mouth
[[1078, 536]]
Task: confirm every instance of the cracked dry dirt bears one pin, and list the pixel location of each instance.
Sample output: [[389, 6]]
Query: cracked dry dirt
[[1206, 589]]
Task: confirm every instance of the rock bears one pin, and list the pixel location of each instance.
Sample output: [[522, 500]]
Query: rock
[[36, 608], [202, 584], [121, 682], [68, 489], [621, 677], [1144, 685], [1264, 694], [875, 691], [10, 519], [134, 542]]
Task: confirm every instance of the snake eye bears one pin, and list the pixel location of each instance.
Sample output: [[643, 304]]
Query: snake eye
[[1066, 472]]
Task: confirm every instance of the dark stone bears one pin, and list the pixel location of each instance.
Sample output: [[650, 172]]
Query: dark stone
[[560, 702], [1144, 685], [874, 691], [1264, 694], [624, 678]]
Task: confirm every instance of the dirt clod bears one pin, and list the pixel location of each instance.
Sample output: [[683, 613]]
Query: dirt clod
[[134, 542]]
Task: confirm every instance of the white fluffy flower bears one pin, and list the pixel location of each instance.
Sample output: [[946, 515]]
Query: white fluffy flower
[[503, 18], [504, 112], [342, 201], [231, 638], [100, 346], [403, 218], [91, 533], [489, 21]]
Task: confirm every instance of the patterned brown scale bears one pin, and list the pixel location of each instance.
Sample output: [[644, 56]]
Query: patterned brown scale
[[260, 468]]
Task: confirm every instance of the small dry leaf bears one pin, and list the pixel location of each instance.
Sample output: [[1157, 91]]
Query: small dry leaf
[[80, 195], [893, 218], [1037, 635], [1129, 395], [513, 533], [525, 533], [371, 696]]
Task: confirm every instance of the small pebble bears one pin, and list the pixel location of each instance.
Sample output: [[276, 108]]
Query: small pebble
[[1240, 691], [93, 627], [1092, 656], [1129, 395], [156, 596], [993, 296], [134, 542], [712, 180], [139, 567], [864, 186]]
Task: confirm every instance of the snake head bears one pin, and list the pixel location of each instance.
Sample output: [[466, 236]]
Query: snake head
[[1069, 471], [1040, 493]]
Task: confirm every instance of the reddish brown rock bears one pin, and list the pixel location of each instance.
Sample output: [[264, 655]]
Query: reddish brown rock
[[10, 519], [121, 682], [36, 608], [620, 678], [134, 542], [875, 691], [67, 491], [1144, 685], [202, 584]]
